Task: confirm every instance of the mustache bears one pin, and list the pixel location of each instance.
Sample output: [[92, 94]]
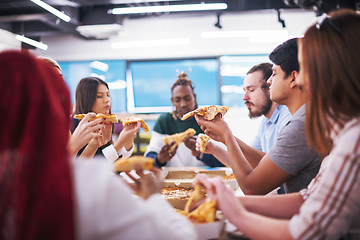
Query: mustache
[[247, 102]]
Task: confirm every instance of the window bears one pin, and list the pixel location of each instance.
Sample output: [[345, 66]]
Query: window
[[149, 83]]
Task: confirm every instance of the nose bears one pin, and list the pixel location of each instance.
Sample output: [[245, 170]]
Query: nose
[[246, 96], [269, 81], [183, 103], [107, 99]]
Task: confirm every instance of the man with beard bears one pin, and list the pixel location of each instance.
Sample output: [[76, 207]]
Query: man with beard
[[257, 99], [290, 161]]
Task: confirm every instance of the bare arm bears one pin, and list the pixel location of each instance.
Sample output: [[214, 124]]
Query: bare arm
[[217, 151], [252, 224], [127, 135], [251, 154], [260, 180]]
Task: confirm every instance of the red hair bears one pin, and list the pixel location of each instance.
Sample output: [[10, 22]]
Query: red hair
[[36, 195]]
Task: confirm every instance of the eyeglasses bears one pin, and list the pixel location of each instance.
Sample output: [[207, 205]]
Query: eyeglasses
[[326, 19]]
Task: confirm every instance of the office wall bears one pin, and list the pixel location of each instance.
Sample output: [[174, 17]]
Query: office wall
[[70, 48]]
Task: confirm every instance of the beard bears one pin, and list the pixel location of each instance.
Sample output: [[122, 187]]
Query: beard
[[265, 108]]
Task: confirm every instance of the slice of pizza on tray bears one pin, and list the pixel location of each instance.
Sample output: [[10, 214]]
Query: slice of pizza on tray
[[209, 112], [108, 118], [178, 138], [129, 120]]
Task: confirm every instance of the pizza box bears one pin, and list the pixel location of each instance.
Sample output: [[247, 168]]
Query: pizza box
[[212, 230], [178, 203], [187, 183], [191, 172]]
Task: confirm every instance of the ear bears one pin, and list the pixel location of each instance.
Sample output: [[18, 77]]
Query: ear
[[172, 100], [294, 75]]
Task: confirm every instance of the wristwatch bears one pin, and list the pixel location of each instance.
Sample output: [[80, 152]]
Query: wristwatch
[[201, 155]]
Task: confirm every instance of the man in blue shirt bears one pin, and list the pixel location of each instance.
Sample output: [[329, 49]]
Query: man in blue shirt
[[257, 99]]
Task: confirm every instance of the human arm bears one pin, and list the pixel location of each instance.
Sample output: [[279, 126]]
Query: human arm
[[96, 142], [253, 225], [126, 136], [83, 133], [216, 151], [260, 180]]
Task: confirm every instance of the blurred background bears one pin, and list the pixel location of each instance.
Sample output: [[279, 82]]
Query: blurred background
[[139, 53]]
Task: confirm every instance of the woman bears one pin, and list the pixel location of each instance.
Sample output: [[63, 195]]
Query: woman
[[329, 208], [92, 95], [43, 195], [183, 100]]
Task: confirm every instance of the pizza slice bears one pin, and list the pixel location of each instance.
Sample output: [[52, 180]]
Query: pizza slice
[[209, 112], [128, 164], [108, 118], [178, 138], [129, 120], [205, 213], [196, 196], [204, 139]]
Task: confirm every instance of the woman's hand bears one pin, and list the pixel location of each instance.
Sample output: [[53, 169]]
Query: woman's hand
[[147, 184], [127, 135], [164, 155], [83, 133], [217, 190], [105, 136]]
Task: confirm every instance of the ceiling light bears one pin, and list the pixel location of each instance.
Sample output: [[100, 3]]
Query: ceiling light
[[170, 8], [118, 84], [151, 43], [238, 34], [100, 66], [54, 11], [100, 31], [32, 42], [258, 39]]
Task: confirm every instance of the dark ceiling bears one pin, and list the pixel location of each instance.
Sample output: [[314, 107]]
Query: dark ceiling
[[27, 18]]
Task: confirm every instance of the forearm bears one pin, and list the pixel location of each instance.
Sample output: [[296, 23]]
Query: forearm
[[88, 152], [252, 155], [241, 167], [256, 226], [278, 206], [221, 154]]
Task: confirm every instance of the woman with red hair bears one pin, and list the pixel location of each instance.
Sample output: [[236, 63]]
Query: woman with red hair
[[44, 194]]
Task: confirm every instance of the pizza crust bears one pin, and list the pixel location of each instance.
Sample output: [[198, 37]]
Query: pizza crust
[[204, 139], [108, 118], [209, 112], [178, 138], [128, 164], [129, 120]]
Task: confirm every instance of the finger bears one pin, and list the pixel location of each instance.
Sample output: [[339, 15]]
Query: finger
[[131, 177], [139, 170], [88, 116], [156, 171]]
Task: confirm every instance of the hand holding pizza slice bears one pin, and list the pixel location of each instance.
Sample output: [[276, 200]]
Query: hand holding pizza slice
[[107, 118], [129, 120], [128, 164], [178, 138], [209, 112]]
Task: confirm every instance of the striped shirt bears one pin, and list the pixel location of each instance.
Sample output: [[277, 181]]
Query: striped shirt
[[331, 209]]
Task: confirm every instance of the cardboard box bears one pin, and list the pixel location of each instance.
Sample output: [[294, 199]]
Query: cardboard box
[[212, 230]]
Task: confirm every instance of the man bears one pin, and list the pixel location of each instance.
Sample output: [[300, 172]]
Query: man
[[289, 161], [257, 100]]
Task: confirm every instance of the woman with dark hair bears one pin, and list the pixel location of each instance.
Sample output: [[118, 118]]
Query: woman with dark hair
[[92, 95], [329, 207], [183, 101], [44, 194]]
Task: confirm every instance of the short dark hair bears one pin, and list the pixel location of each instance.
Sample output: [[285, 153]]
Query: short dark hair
[[266, 69], [286, 56]]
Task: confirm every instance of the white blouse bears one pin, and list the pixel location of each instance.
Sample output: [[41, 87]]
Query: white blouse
[[107, 209]]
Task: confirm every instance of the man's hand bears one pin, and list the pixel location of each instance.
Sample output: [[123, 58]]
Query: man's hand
[[190, 143], [217, 129], [164, 154]]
